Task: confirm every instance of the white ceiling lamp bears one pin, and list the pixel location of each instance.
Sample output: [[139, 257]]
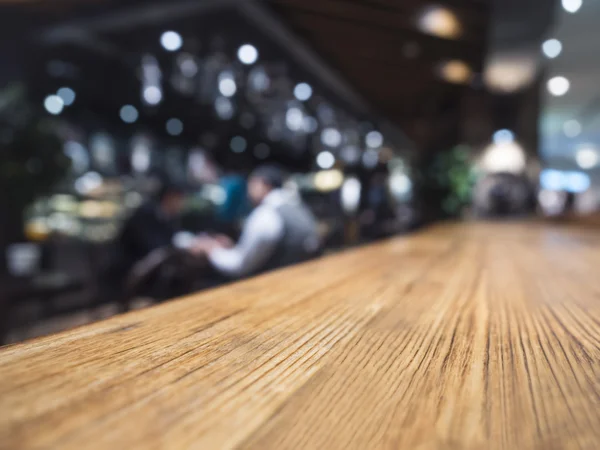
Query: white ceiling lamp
[[247, 54], [552, 48], [325, 160], [54, 104], [505, 157], [558, 86], [440, 22], [227, 87], [572, 6], [294, 119], [572, 128], [350, 195], [510, 72], [303, 91], [171, 41], [400, 185], [374, 139], [331, 137], [152, 95], [587, 157]]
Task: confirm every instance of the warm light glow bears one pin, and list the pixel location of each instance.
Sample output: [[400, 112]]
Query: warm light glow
[[510, 72], [54, 104], [302, 91], [572, 6], [440, 22], [325, 160], [506, 157], [552, 48], [247, 54], [328, 180], [456, 71], [558, 86], [572, 128], [171, 41], [587, 157]]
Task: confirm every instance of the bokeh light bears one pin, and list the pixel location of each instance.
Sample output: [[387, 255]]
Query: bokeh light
[[54, 104], [129, 114], [558, 86], [325, 160], [171, 41], [247, 54]]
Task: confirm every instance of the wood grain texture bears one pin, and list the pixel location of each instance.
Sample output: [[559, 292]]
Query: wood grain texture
[[466, 336]]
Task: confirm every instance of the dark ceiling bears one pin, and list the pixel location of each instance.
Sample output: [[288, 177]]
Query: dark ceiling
[[373, 45], [377, 46]]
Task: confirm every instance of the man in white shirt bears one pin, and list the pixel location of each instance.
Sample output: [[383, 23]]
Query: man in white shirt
[[280, 231]]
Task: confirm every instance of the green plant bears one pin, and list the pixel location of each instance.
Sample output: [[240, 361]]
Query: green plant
[[446, 182]]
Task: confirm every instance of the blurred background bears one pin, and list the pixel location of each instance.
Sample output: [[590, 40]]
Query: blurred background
[[386, 116]]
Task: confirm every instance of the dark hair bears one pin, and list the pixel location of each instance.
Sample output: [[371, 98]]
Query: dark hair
[[271, 174], [168, 186]]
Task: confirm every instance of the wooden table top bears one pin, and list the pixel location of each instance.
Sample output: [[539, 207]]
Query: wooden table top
[[465, 336]]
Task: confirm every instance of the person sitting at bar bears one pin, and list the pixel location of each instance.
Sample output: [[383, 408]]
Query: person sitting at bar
[[280, 231], [151, 226]]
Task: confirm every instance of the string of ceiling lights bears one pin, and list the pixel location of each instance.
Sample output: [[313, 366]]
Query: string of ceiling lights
[[338, 137]]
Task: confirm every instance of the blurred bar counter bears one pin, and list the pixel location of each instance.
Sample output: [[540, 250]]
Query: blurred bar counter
[[461, 336]]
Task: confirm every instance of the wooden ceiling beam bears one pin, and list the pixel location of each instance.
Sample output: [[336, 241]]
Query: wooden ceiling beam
[[381, 45], [374, 15]]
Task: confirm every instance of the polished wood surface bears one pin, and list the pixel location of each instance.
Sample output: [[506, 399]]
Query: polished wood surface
[[465, 336]]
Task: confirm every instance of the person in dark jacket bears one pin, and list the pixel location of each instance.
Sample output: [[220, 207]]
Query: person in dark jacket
[[151, 226]]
